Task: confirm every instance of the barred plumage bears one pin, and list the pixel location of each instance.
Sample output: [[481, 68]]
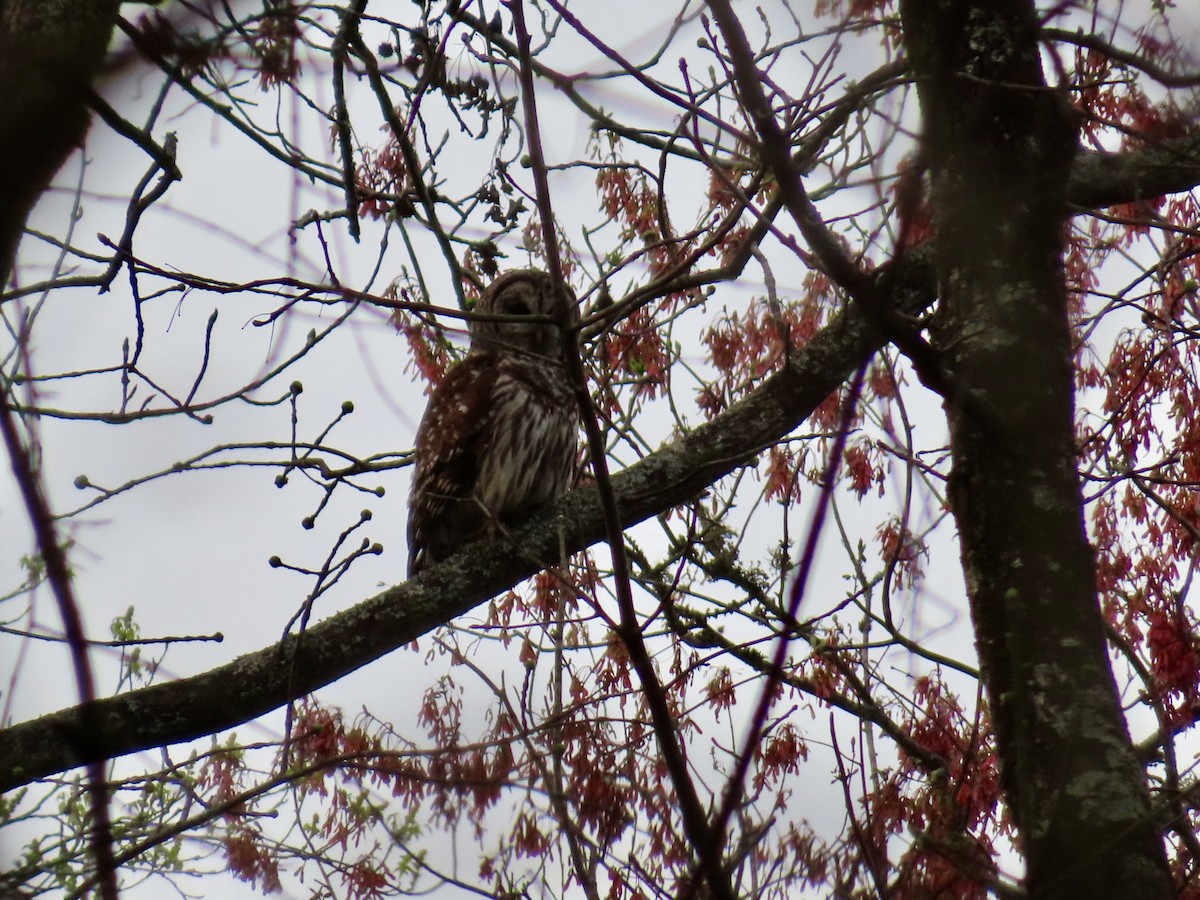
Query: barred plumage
[[498, 438]]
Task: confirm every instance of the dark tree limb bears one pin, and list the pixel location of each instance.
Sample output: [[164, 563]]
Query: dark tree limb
[[49, 52], [259, 682], [1105, 179]]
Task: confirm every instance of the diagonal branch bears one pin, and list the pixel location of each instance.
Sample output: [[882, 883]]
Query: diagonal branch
[[258, 682], [692, 813]]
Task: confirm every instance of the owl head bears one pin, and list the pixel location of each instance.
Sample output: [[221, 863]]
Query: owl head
[[524, 294]]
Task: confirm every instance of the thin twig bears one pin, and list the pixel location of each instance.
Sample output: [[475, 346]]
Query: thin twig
[[694, 816]]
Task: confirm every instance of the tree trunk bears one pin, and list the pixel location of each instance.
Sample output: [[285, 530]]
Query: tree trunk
[[50, 51], [999, 146]]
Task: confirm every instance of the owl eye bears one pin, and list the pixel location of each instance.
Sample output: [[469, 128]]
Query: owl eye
[[517, 308]]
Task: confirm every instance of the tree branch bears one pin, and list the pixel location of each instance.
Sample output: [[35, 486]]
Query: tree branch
[[259, 682], [1104, 179]]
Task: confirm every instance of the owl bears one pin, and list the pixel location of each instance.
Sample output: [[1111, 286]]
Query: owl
[[499, 436]]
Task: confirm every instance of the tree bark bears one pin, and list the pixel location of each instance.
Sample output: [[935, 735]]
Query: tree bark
[[50, 51], [1000, 145], [264, 680]]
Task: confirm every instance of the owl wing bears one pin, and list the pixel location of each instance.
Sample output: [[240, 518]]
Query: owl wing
[[442, 510]]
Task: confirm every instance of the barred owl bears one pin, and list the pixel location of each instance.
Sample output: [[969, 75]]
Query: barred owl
[[498, 438]]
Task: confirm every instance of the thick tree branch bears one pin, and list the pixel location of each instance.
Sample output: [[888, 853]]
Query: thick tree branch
[[1104, 179], [258, 682], [49, 52]]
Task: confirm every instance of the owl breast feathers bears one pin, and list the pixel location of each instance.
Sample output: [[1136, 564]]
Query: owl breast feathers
[[498, 438]]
